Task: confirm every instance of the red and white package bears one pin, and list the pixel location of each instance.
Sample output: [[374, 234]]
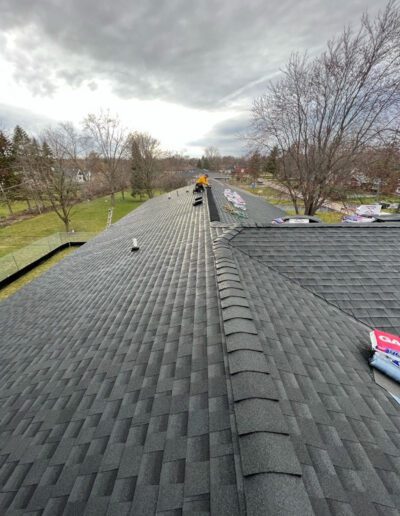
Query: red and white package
[[385, 342], [386, 353]]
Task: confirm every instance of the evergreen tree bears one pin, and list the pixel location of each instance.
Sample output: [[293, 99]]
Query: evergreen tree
[[255, 166], [205, 163], [271, 165], [8, 178], [6, 155]]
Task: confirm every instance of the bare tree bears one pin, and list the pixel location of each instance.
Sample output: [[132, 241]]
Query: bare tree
[[324, 112], [55, 164], [212, 157], [109, 140], [380, 166], [145, 155]]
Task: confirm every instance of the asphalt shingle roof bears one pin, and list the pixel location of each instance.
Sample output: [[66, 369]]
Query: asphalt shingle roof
[[338, 430], [194, 376], [355, 268], [113, 388], [258, 210]]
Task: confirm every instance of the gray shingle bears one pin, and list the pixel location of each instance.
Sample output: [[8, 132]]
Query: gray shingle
[[356, 269], [264, 452], [243, 341], [247, 360], [277, 494], [197, 377], [260, 415], [249, 385], [103, 395]]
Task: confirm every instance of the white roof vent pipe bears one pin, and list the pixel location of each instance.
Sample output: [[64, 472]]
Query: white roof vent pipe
[[135, 246]]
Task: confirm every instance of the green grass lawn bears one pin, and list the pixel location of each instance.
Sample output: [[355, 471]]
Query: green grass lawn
[[280, 198], [272, 195], [17, 207], [329, 217], [275, 197], [87, 216], [9, 290]]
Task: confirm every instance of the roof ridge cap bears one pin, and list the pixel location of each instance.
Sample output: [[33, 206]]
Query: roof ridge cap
[[265, 446]]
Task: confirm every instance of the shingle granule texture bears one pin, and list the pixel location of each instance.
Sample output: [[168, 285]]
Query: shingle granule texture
[[221, 369]]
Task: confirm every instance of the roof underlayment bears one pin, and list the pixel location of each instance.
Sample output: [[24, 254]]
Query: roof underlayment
[[220, 369]]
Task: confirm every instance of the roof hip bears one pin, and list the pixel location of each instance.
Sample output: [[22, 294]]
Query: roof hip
[[268, 458]]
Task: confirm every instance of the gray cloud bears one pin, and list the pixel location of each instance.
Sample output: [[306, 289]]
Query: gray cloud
[[201, 54], [10, 116], [228, 136]]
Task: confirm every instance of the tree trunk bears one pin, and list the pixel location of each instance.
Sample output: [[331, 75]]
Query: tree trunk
[[9, 207], [112, 199], [309, 208], [123, 194], [294, 201], [28, 202], [37, 205], [6, 200]]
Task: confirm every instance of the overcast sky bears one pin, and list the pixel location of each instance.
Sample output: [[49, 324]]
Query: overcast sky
[[184, 70]]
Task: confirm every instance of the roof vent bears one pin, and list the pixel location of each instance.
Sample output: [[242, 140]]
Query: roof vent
[[197, 201], [135, 246]]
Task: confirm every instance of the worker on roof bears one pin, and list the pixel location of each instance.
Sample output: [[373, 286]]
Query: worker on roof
[[201, 182]]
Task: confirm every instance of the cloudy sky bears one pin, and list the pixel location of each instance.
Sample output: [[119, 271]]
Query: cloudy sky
[[184, 70]]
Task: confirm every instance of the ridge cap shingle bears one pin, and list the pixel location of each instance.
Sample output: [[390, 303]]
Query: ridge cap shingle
[[264, 443]]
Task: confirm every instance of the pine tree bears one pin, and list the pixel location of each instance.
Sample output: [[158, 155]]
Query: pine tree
[[8, 178], [271, 165]]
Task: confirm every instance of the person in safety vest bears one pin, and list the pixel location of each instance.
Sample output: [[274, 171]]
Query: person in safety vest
[[201, 182]]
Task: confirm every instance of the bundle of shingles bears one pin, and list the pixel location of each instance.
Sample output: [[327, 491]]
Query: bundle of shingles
[[386, 353], [235, 199]]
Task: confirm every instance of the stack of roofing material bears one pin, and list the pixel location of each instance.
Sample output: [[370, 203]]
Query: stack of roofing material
[[235, 199], [369, 209], [357, 219], [289, 220], [386, 353]]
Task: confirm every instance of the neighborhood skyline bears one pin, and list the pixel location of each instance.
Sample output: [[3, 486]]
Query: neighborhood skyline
[[185, 73]]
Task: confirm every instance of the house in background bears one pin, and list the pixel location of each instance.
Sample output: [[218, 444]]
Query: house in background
[[83, 176]]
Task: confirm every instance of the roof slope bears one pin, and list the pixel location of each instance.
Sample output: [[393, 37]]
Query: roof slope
[[355, 268], [258, 210], [113, 388], [192, 377], [338, 439]]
